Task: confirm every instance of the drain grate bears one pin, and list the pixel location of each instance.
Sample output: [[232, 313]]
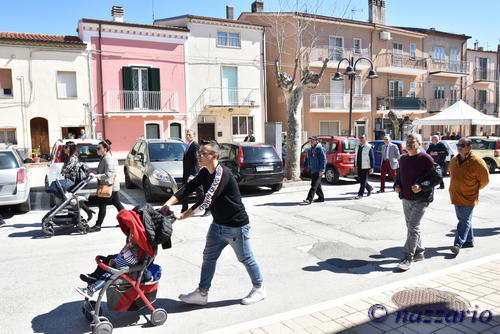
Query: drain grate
[[422, 299]]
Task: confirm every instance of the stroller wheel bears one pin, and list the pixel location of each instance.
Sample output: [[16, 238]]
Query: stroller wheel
[[83, 227], [47, 229], [158, 317], [103, 327]]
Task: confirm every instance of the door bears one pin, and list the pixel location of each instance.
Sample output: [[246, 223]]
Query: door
[[360, 128], [229, 85], [337, 94], [336, 48], [206, 131], [40, 134], [454, 60], [140, 87], [395, 88], [397, 54]]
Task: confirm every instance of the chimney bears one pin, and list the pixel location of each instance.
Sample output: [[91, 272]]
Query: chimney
[[257, 6], [229, 12], [476, 45], [376, 11], [117, 13], [480, 48]]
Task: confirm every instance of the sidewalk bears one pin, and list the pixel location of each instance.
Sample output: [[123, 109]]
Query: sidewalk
[[476, 283]]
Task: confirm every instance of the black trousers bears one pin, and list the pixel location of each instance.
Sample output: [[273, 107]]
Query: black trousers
[[363, 181], [443, 171], [104, 202], [315, 187]]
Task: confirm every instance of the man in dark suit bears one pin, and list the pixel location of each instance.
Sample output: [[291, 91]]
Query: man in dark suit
[[191, 167]]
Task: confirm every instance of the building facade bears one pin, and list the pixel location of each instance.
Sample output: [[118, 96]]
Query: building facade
[[44, 89], [224, 77]]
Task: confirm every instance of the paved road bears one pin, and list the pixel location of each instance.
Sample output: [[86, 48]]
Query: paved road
[[308, 255]]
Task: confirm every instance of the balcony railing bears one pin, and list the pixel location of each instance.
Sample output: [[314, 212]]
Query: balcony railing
[[142, 101], [487, 108], [221, 97], [340, 102], [400, 103], [455, 66], [440, 104], [484, 75], [335, 54], [400, 60]]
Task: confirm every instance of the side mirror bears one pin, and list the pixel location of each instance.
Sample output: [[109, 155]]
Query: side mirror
[[28, 161], [138, 157]]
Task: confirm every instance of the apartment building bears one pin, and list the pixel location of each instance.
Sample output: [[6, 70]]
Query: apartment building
[[224, 76]]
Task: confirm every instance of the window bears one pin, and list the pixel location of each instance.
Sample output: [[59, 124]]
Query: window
[[66, 85], [357, 45], [397, 54], [482, 68], [481, 98], [439, 54], [336, 47], [360, 127], [439, 92], [329, 128], [241, 125], [454, 60], [358, 88], [453, 94], [5, 82], [413, 51], [141, 88], [153, 131], [175, 130], [231, 39], [395, 88], [8, 136], [413, 89]]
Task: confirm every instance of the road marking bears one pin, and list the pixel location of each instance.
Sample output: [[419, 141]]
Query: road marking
[[277, 318]]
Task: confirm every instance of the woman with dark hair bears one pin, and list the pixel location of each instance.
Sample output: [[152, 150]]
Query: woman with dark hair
[[70, 171], [106, 175]]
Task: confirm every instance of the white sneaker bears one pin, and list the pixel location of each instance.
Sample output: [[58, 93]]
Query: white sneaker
[[255, 295], [195, 297]]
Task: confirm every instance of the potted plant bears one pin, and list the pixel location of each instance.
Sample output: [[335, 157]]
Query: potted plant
[[35, 153]]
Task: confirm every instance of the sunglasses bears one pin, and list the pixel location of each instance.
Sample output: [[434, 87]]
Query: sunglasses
[[462, 145], [203, 154]]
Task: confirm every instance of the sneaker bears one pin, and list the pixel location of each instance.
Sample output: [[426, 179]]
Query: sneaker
[[255, 295], [468, 244], [319, 200], [368, 193], [404, 265], [195, 297], [306, 202], [380, 191], [95, 228], [86, 292], [455, 249], [88, 278], [418, 257], [358, 197], [441, 187]]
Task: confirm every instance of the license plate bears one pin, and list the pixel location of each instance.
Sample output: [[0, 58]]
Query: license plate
[[264, 168]]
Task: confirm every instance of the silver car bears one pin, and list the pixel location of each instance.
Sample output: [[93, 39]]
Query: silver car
[[14, 183], [155, 165]]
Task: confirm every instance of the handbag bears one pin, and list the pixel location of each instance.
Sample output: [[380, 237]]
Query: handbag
[[105, 190]]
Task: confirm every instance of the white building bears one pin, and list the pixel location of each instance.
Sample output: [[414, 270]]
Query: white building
[[44, 89], [225, 85]]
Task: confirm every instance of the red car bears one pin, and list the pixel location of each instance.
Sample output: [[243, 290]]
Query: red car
[[339, 157]]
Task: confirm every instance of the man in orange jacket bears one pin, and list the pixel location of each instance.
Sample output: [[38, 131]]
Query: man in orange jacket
[[468, 174]]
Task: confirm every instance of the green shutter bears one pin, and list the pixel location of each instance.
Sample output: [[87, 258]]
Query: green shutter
[[154, 79], [127, 78]]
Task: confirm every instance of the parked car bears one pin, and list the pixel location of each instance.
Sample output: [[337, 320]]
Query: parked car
[[253, 164], [14, 182], [487, 148], [155, 165], [451, 145], [339, 157], [87, 153]]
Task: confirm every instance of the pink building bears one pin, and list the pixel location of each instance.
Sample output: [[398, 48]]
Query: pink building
[[138, 80]]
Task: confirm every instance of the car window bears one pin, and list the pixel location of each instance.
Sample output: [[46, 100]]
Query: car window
[[333, 147], [87, 153], [166, 151], [135, 148], [326, 145], [224, 152], [254, 154], [142, 149], [232, 153], [480, 144], [8, 160], [349, 145]]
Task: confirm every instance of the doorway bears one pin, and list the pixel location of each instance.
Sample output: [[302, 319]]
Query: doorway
[[206, 131], [40, 134], [229, 85]]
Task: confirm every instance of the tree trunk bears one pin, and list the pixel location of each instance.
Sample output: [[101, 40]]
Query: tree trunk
[[294, 106]]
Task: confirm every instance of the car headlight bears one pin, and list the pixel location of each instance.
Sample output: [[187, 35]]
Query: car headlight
[[162, 176]]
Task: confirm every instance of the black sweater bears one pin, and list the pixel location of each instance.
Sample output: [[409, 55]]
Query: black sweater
[[222, 196]]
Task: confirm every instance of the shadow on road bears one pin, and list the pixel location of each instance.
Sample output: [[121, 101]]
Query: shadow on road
[[176, 306], [480, 232]]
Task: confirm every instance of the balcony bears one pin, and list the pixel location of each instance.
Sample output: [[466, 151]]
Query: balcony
[[446, 68], [335, 54], [401, 104], [400, 64], [325, 102], [129, 102], [487, 108], [219, 97], [436, 105], [484, 76]]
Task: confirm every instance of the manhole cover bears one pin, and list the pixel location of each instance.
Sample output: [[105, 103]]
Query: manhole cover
[[423, 299]]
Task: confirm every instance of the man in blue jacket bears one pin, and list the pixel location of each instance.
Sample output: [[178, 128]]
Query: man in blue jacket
[[316, 164]]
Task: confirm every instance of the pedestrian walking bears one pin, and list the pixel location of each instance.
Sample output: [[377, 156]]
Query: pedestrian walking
[[250, 137], [106, 179], [230, 224], [191, 167], [363, 161], [389, 162], [415, 182], [316, 164], [438, 151], [468, 174]]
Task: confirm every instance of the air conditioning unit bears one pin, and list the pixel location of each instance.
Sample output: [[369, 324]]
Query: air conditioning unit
[[385, 35]]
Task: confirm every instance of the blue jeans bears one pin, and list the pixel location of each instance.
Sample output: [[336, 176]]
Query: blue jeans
[[464, 227], [218, 237]]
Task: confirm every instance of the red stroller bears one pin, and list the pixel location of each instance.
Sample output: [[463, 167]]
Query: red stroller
[[124, 289]]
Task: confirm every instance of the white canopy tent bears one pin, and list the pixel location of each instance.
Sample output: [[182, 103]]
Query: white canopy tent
[[460, 113]]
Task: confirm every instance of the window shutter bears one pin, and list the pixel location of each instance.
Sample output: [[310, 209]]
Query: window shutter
[[154, 79], [127, 78]]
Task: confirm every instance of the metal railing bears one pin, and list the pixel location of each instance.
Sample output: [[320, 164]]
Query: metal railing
[[487, 108], [140, 101], [227, 97], [400, 103], [335, 54], [446, 65], [484, 75], [440, 104], [400, 60], [328, 101]]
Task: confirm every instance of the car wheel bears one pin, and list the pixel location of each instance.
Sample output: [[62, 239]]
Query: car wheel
[[332, 175], [491, 165], [26, 206], [277, 187], [128, 183], [148, 194]]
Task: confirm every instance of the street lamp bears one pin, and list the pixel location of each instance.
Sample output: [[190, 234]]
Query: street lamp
[[351, 72]]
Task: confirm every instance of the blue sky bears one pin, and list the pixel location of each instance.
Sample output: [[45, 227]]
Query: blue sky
[[60, 17]]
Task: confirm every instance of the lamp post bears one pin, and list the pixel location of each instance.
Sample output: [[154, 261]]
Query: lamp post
[[351, 72]]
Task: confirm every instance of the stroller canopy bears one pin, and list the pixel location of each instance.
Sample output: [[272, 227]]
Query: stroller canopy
[[130, 222]]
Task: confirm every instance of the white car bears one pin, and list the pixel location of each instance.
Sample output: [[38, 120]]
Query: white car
[[14, 182], [451, 145], [87, 153]]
